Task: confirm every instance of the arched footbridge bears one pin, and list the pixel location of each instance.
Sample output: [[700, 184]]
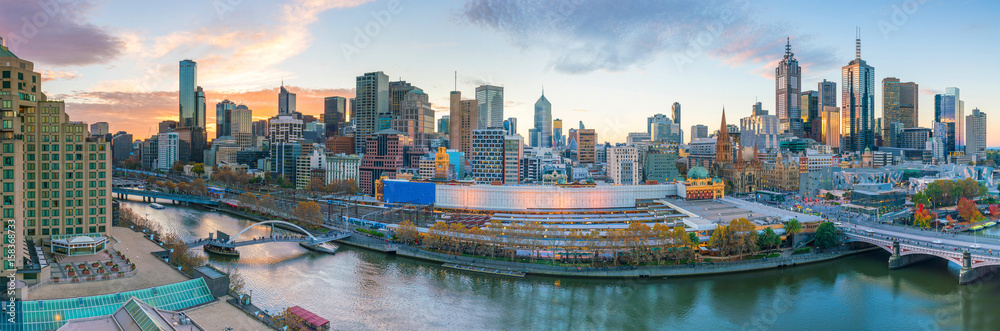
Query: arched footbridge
[[306, 237]]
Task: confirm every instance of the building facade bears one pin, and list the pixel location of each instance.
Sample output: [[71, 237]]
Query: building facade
[[975, 134], [857, 105], [541, 134], [622, 166], [370, 104], [490, 102], [384, 157], [788, 85]]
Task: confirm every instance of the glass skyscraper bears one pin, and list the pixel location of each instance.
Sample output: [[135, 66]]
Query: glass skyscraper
[[189, 116], [286, 101], [490, 100], [948, 111], [371, 102], [223, 118], [541, 134], [858, 105]]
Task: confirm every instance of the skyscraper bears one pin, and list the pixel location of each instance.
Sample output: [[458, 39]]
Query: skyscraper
[[699, 131], [487, 155], [99, 129], [809, 108], [286, 101], [788, 85], [827, 94], [397, 91], [558, 139], [948, 112], [541, 134], [241, 126], [464, 119], [188, 115], [371, 102], [623, 165], [585, 146], [444, 124], [975, 126], [490, 100], [675, 109], [858, 104], [223, 118], [416, 118], [510, 125], [334, 109], [763, 131], [830, 127]]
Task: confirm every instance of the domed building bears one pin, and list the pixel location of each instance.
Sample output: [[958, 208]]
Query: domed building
[[699, 186]]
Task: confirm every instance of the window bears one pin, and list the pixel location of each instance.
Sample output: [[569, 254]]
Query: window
[[8, 148]]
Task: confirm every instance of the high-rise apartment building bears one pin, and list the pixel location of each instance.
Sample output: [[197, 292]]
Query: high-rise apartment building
[[286, 101], [915, 138], [585, 144], [121, 146], [464, 119], [490, 102], [187, 95], [384, 158], [948, 110], [371, 103], [241, 126], [284, 128], [541, 134], [99, 129], [975, 134], [168, 151], [223, 118], [623, 165], [334, 109], [857, 104], [675, 109], [700, 131], [487, 155], [788, 85], [513, 152]]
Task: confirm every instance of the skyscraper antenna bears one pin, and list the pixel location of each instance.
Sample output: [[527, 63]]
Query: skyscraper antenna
[[456, 81], [858, 44]]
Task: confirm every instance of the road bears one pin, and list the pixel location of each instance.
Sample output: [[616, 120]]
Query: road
[[948, 241]]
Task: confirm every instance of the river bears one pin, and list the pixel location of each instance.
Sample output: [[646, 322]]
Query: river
[[364, 290]]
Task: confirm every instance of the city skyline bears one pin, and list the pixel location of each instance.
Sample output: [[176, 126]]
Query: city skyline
[[138, 89]]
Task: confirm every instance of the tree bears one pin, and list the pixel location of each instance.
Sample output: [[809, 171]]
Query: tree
[[829, 196], [180, 255], [248, 200], [236, 281], [407, 232], [826, 235], [694, 238], [968, 211], [182, 188], [309, 213], [791, 228], [198, 187], [920, 199], [198, 169], [922, 217], [178, 166], [316, 185], [994, 208], [721, 240], [769, 239]]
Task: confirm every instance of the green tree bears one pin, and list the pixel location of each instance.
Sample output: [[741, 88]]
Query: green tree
[[198, 169], [792, 227], [826, 235], [769, 239], [920, 198], [829, 196], [694, 239]]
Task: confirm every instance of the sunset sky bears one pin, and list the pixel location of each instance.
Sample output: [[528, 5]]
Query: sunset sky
[[609, 64]]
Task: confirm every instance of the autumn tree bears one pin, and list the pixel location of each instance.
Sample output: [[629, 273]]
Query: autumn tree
[[248, 200], [309, 213], [181, 255], [316, 185], [968, 211], [178, 166], [236, 279], [922, 217], [198, 187]]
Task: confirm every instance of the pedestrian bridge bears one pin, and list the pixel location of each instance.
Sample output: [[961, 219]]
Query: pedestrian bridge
[[975, 263], [124, 193], [307, 238]]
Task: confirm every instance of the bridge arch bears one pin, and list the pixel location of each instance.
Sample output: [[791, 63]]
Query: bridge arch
[[233, 238]]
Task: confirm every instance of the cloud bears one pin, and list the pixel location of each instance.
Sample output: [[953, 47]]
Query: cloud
[[928, 91], [136, 112], [578, 110], [57, 32], [583, 36], [50, 75]]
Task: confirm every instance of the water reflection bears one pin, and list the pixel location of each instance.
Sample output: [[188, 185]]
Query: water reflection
[[359, 289]]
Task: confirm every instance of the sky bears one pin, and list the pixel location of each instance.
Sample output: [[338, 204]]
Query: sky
[[609, 64]]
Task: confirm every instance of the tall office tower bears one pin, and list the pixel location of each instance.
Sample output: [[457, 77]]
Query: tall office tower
[[827, 94], [385, 157], [167, 126], [699, 131], [975, 133], [899, 102], [510, 125], [418, 116], [623, 165], [121, 147], [830, 127], [658, 118], [915, 138], [513, 152], [286, 101], [334, 109], [487, 155], [398, 91], [758, 109], [558, 139], [99, 129], [809, 108], [586, 142], [675, 109], [666, 131], [541, 134], [464, 119], [223, 118], [241, 126], [788, 85], [354, 110], [186, 94], [168, 150], [259, 128], [284, 128], [763, 131], [371, 103], [857, 104], [444, 124], [490, 100], [948, 111]]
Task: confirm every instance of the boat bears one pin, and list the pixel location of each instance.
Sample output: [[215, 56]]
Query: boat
[[324, 248], [156, 206], [223, 251]]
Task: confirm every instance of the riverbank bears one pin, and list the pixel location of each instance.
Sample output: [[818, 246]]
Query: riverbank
[[684, 270]]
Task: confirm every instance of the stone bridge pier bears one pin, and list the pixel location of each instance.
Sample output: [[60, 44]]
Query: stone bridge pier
[[897, 260], [968, 274]]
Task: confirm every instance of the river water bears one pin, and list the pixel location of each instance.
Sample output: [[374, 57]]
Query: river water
[[364, 290]]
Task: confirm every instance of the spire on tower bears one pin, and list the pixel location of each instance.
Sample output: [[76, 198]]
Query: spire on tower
[[857, 43], [788, 47]]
